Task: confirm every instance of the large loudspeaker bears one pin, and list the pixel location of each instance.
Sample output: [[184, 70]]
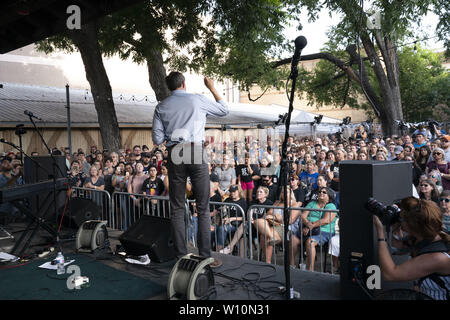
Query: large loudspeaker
[[386, 181], [43, 202], [33, 173], [149, 235], [80, 210]]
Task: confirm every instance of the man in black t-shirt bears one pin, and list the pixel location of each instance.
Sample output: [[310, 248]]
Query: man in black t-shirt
[[146, 162], [273, 188], [233, 211], [299, 192]]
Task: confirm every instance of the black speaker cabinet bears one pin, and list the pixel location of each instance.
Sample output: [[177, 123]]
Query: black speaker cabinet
[[386, 181], [34, 173], [80, 210], [43, 203], [149, 235]]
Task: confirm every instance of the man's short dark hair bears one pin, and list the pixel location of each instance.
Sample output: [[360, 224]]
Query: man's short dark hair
[[174, 80]]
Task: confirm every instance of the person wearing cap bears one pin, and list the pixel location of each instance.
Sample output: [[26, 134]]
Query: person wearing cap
[[445, 145], [419, 140], [439, 163], [399, 153], [232, 221], [179, 121]]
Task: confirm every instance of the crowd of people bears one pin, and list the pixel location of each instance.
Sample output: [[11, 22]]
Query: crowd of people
[[249, 173]]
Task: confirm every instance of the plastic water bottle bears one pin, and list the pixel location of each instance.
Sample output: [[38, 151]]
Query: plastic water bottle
[[60, 264]]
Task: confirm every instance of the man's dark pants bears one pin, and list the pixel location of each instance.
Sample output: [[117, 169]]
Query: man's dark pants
[[199, 174]]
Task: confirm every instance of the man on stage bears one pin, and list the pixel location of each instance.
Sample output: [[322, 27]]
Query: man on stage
[[180, 120]]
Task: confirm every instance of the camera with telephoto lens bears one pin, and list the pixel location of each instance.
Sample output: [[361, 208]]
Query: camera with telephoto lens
[[387, 214]]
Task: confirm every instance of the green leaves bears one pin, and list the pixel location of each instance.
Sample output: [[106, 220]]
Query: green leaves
[[424, 83]]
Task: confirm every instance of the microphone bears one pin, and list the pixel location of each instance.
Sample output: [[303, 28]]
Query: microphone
[[30, 114], [300, 43]]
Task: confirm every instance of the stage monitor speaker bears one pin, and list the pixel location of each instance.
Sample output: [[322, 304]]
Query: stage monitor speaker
[[387, 182], [80, 210], [33, 173], [149, 235]]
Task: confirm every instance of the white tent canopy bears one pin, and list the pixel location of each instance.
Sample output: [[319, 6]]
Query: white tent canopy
[[301, 124]]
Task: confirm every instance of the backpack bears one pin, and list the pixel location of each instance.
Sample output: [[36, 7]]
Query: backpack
[[424, 247]]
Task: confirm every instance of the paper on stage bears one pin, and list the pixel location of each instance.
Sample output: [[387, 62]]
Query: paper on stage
[[8, 257], [50, 266], [144, 260]]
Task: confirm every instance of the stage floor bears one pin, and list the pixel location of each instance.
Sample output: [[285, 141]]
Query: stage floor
[[236, 279]]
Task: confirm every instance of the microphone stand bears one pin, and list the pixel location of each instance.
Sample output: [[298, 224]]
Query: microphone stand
[[24, 207], [54, 166], [290, 293]]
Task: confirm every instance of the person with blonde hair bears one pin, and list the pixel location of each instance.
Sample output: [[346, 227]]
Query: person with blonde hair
[[429, 266], [271, 227]]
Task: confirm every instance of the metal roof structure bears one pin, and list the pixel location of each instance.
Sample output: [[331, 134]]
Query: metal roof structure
[[49, 104]]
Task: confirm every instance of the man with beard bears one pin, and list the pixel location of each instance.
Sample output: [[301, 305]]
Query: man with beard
[[137, 152], [146, 162]]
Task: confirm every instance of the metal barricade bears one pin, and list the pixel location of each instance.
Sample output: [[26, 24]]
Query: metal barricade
[[224, 231], [129, 207], [102, 198], [265, 236]]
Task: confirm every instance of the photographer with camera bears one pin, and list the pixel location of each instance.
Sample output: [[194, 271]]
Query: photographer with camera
[[429, 266]]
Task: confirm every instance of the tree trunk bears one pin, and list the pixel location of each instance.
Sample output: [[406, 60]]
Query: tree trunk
[[86, 41], [387, 75], [388, 107], [157, 74]]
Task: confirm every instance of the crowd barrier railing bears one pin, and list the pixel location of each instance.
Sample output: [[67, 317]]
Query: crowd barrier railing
[[265, 237], [129, 207], [223, 229], [102, 198], [122, 209]]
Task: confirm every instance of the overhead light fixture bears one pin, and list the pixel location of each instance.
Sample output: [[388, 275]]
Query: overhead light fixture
[[346, 121], [281, 119], [318, 119]]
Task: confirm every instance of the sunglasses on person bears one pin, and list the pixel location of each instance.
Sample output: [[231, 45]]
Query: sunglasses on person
[[446, 200], [323, 192], [436, 153], [424, 185]]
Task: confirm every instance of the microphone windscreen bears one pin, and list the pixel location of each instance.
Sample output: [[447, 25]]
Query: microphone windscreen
[[300, 42]]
